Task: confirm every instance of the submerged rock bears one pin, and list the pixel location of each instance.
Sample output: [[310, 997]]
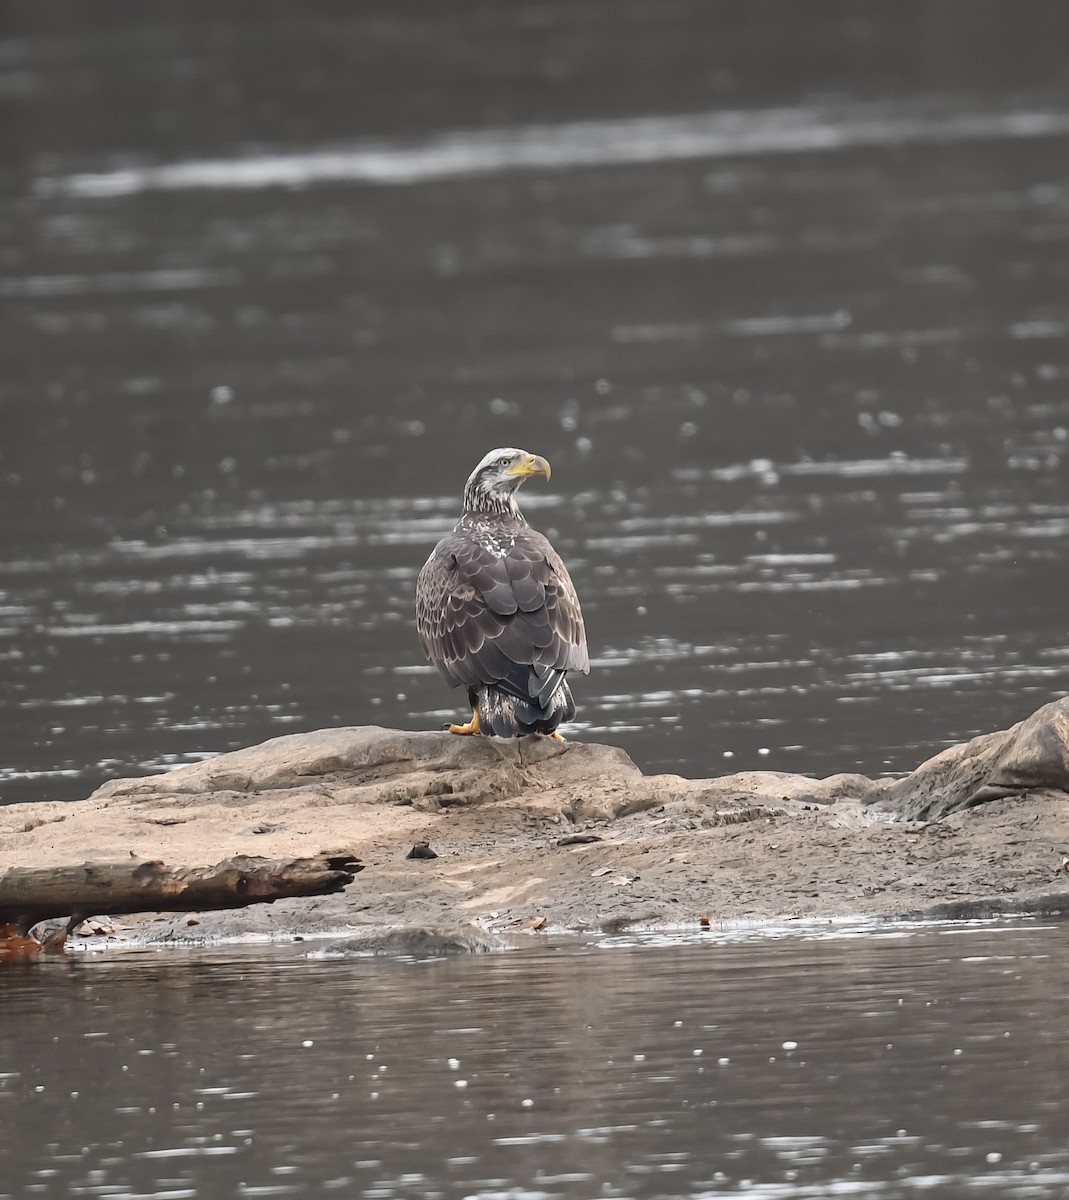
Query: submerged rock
[[414, 942]]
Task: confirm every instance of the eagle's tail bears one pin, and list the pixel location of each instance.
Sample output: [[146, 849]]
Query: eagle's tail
[[504, 714]]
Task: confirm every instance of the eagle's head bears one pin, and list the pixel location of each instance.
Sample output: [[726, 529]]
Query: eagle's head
[[491, 487]]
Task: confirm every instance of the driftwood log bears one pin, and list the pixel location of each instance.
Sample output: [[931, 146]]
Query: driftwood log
[[29, 895]]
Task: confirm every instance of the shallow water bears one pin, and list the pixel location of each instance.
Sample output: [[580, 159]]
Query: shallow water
[[782, 300], [871, 1062]]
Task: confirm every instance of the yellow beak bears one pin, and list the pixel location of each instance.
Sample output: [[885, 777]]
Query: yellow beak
[[533, 464]]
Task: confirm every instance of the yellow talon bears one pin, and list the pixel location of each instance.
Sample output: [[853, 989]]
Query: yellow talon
[[471, 727], [557, 736]]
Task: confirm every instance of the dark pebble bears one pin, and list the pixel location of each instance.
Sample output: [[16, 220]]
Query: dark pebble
[[421, 850]]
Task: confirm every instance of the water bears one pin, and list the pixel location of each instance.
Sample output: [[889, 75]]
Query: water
[[782, 300], [845, 1062]]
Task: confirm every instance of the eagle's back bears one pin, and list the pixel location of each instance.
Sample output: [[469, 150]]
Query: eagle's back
[[495, 605]]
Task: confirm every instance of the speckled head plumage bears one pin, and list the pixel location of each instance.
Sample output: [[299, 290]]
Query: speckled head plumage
[[491, 487]]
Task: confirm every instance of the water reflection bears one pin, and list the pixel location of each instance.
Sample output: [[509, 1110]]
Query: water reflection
[[585, 144], [858, 1063]]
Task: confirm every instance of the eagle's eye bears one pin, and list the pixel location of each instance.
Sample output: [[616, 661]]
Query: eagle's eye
[[503, 462]]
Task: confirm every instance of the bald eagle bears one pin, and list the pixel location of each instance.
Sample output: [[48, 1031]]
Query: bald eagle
[[496, 610]]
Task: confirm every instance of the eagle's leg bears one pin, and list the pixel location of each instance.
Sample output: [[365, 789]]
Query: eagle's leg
[[557, 736], [471, 727]]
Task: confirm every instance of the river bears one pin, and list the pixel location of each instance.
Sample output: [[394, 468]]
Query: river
[[783, 302], [868, 1062]]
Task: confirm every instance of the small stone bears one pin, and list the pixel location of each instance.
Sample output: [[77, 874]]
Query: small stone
[[421, 850]]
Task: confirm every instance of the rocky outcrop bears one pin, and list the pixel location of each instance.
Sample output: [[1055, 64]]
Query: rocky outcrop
[[533, 834], [433, 771], [1032, 756]]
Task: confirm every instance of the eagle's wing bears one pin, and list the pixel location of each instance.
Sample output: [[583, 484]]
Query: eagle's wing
[[510, 619]]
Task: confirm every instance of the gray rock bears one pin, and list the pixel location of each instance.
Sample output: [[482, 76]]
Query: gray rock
[[1031, 756]]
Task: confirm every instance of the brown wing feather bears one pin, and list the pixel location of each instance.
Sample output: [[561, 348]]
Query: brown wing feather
[[483, 618]]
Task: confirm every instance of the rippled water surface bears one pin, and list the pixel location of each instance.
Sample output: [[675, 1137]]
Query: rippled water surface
[[878, 1063], [782, 299]]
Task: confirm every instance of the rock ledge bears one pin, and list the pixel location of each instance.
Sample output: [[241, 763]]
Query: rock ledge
[[535, 835]]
